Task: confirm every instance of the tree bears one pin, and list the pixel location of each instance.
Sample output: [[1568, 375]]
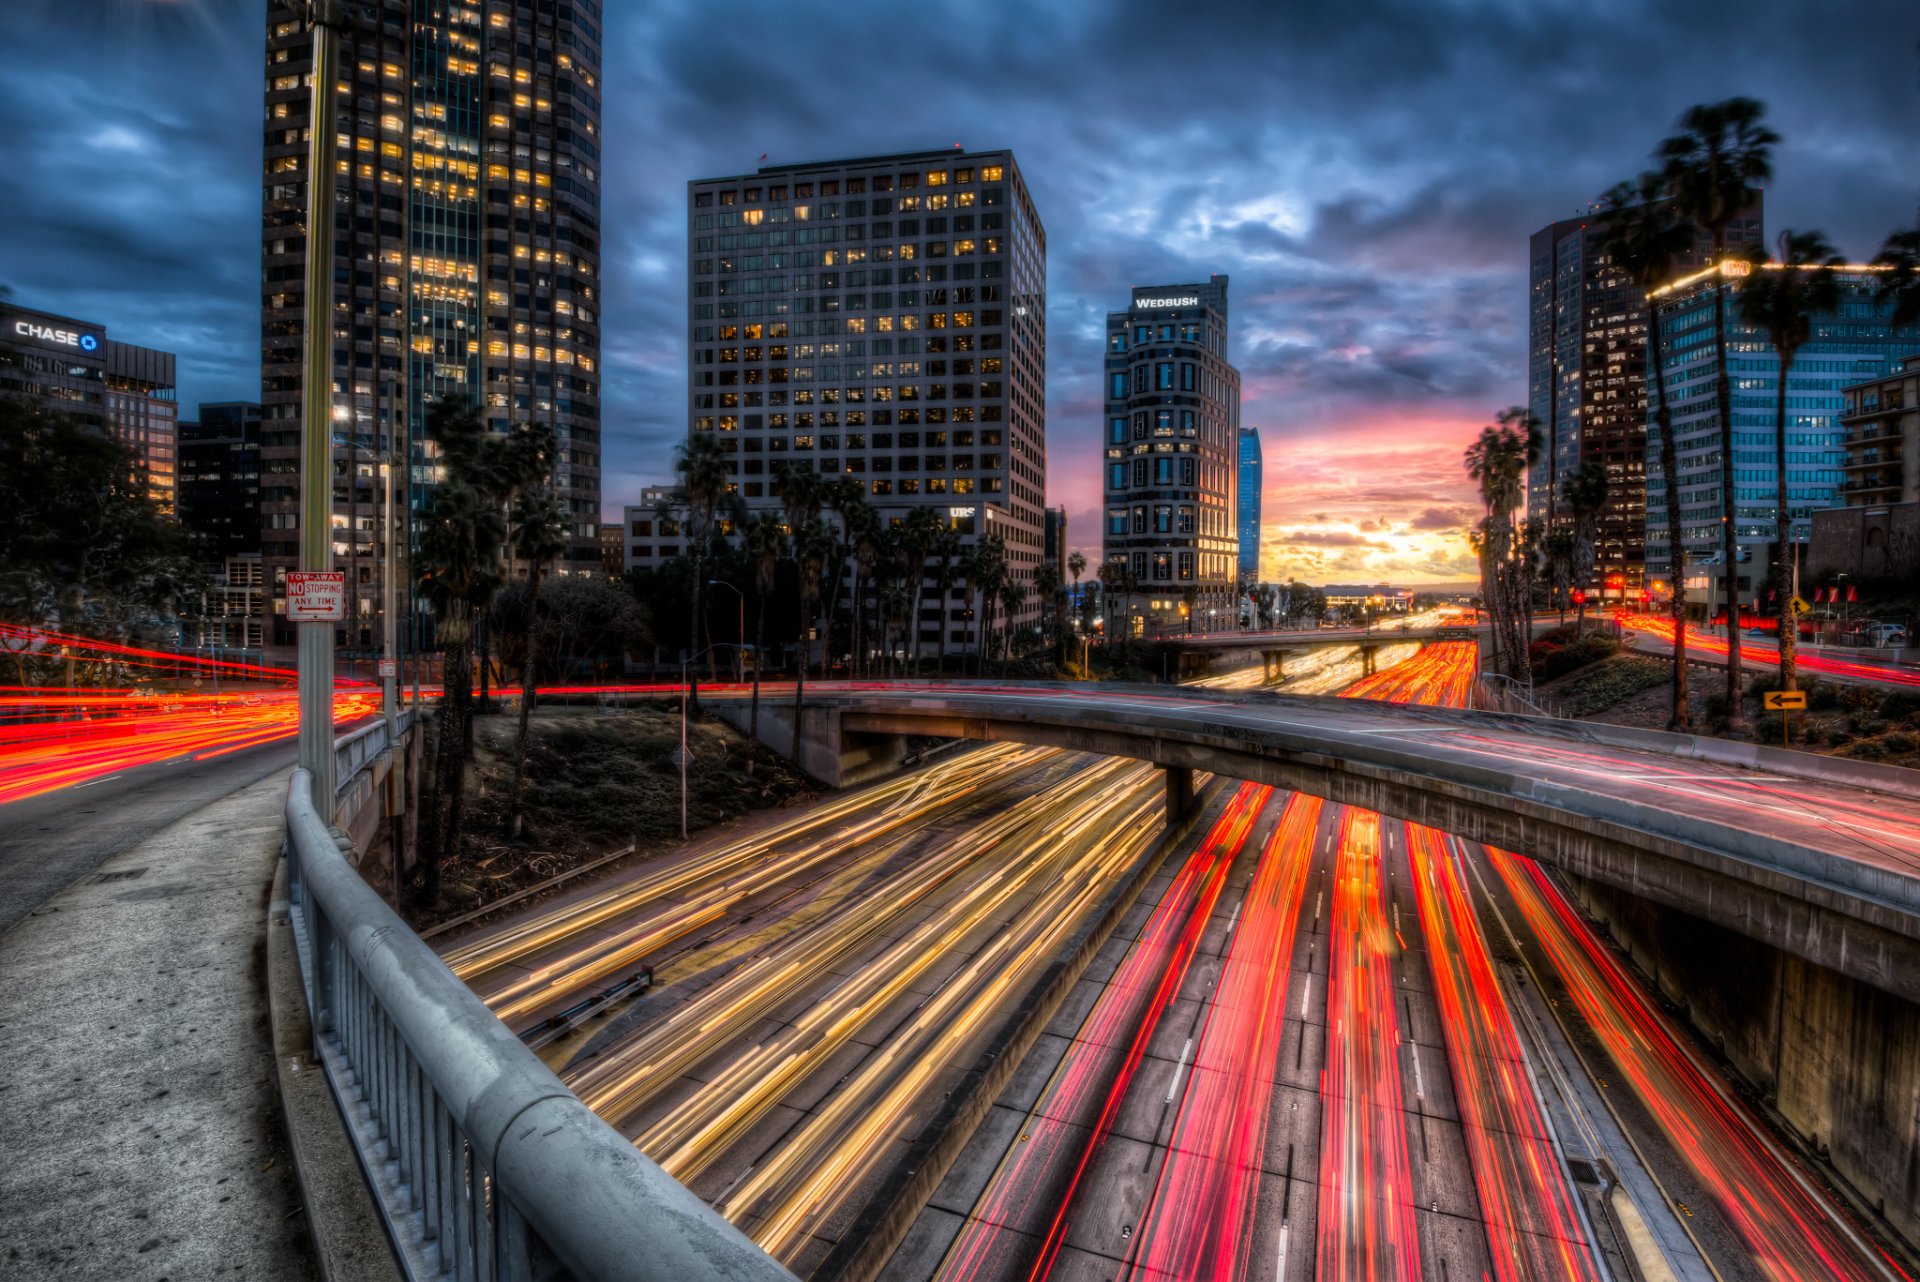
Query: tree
[[1013, 599], [764, 540], [702, 466], [1645, 236], [946, 551], [1901, 284], [986, 572], [1499, 460], [918, 535], [1784, 303], [813, 548], [1076, 566], [540, 529], [1585, 492], [1714, 168], [1046, 582], [81, 543], [1557, 550]]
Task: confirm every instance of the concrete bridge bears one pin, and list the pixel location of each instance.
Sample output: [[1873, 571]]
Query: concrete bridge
[[1817, 857]]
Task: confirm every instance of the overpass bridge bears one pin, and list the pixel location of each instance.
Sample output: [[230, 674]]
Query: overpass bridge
[[485, 1165], [1815, 856]]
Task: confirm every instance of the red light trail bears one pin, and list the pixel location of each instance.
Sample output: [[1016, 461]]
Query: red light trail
[[1764, 653], [1791, 1232], [1199, 1220]]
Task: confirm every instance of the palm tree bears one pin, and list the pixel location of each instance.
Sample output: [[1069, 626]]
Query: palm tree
[[1557, 549], [946, 551], [846, 497], [1076, 566], [1901, 285], [1645, 238], [459, 567], [1013, 599], [702, 465], [1585, 493], [986, 573], [918, 534], [865, 536], [813, 548], [1784, 303], [540, 529], [764, 540], [802, 495], [1714, 167], [1499, 460], [1046, 582]]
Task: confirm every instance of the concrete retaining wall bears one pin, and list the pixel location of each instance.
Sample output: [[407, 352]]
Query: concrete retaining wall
[[1835, 1060]]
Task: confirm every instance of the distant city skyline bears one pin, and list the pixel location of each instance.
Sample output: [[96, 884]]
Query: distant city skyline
[[1381, 268]]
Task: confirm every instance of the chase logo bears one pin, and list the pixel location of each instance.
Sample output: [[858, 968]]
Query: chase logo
[[88, 342], [59, 337]]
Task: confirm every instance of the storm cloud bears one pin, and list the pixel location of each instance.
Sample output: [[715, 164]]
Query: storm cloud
[[1367, 173]]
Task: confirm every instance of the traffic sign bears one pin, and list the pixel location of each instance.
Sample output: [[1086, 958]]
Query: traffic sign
[[1783, 700], [316, 596], [681, 757], [1800, 606], [389, 668]]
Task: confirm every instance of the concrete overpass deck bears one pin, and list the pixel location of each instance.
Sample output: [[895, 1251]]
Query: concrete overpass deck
[[1817, 857]]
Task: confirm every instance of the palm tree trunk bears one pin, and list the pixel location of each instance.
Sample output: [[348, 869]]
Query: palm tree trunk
[[699, 588], [753, 706], [528, 661], [1680, 720], [1729, 545], [913, 618], [1789, 630], [800, 682]]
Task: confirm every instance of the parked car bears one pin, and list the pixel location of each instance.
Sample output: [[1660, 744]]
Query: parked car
[[1883, 634]]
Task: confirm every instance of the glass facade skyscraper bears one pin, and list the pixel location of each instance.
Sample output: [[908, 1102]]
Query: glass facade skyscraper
[[880, 320], [1849, 346], [467, 245], [1251, 481], [1586, 379], [1171, 458]]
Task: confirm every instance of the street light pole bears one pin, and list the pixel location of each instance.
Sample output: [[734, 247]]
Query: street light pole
[[390, 678], [316, 441], [740, 637]]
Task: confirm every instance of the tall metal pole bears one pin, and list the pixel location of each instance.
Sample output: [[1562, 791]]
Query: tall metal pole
[[316, 437], [390, 680]]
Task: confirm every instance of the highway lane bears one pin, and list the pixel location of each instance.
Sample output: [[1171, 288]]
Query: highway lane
[[1757, 654]]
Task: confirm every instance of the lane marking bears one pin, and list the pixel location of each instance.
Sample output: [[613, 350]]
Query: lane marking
[[1175, 1084]]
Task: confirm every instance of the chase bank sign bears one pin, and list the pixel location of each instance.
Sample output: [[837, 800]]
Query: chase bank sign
[[53, 336]]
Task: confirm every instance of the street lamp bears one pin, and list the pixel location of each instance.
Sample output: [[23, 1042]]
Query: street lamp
[[739, 659], [316, 436]]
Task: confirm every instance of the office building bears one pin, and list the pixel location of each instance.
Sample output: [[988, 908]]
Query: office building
[[63, 365], [1172, 459], [1251, 481], [1876, 535], [650, 530], [1586, 380], [54, 364], [467, 248], [612, 550], [219, 480], [880, 320], [1055, 540], [143, 413], [1851, 346]]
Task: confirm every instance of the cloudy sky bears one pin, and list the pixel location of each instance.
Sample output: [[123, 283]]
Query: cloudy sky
[[1366, 171]]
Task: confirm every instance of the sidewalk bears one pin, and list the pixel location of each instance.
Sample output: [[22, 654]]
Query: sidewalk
[[140, 1118]]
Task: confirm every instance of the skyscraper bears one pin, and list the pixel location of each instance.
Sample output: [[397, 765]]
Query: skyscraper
[[467, 247], [61, 365], [1853, 345], [1586, 379], [219, 480], [880, 320], [1251, 479], [1173, 418]]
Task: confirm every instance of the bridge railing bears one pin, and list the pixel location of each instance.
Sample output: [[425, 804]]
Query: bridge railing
[[484, 1164]]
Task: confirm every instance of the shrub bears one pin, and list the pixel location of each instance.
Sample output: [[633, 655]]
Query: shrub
[[1897, 705], [1549, 660]]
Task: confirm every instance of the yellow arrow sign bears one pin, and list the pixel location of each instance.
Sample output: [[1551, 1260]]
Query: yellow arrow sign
[[1783, 700], [1800, 606]]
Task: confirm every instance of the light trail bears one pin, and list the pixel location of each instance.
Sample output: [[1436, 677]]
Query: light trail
[[1199, 1220], [1099, 1067], [1760, 654], [1440, 675], [844, 1141], [1534, 1231], [624, 1077], [1366, 1219], [1791, 1232]]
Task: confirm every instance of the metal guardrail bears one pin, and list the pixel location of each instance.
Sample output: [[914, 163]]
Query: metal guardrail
[[485, 1166]]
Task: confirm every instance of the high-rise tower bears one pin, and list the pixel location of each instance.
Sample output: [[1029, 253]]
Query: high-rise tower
[[467, 248], [880, 320], [1251, 481]]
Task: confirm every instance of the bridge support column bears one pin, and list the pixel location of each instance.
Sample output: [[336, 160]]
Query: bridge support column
[[1179, 784], [1273, 666], [1367, 653]]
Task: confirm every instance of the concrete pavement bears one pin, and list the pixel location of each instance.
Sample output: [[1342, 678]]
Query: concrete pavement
[[139, 1115]]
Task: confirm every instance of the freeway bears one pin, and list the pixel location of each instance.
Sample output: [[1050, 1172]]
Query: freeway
[[1757, 655]]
